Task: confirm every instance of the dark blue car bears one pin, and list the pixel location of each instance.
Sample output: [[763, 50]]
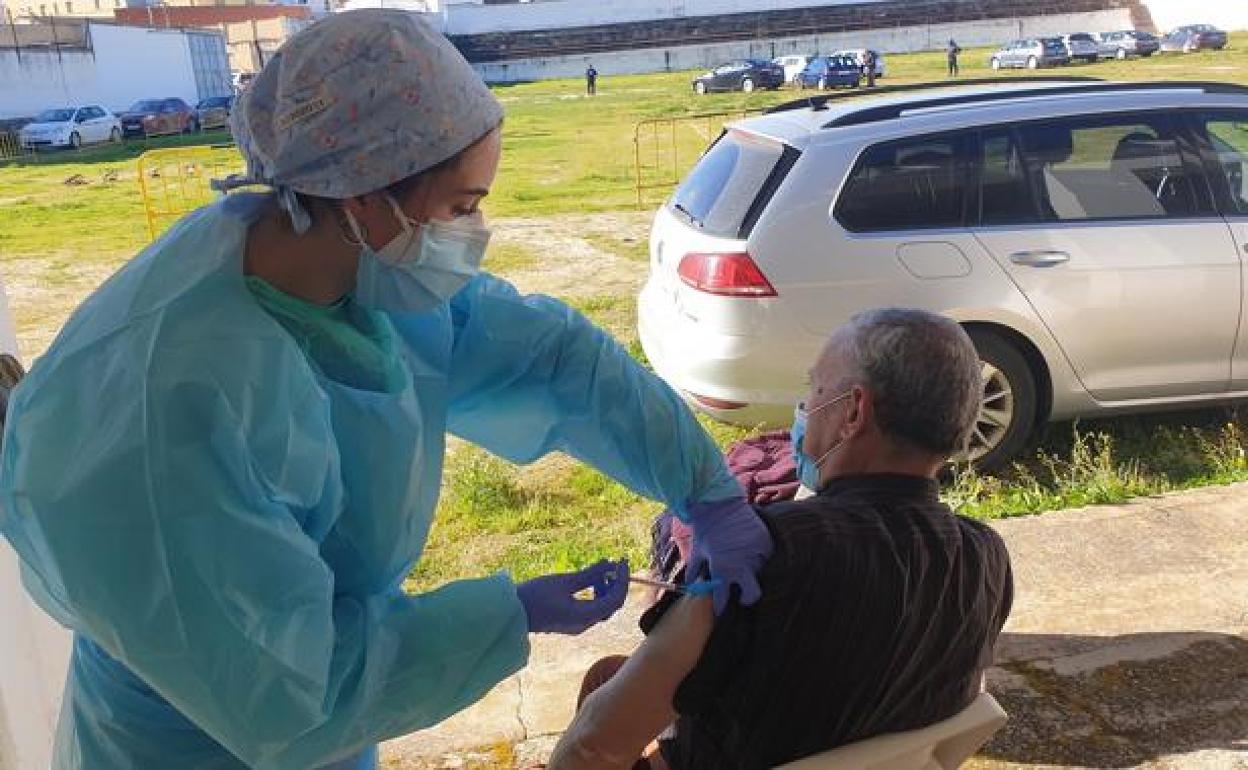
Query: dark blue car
[[825, 72]]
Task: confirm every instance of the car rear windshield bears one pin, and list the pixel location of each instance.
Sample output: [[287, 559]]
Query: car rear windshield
[[147, 105], [1082, 36], [1053, 44], [727, 190]]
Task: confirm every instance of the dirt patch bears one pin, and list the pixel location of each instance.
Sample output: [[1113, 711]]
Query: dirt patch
[[573, 256], [44, 291]]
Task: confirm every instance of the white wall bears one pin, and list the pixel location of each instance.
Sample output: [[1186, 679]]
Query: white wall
[[1228, 14], [135, 62], [34, 651], [34, 656], [892, 40], [558, 14], [127, 64], [39, 79]]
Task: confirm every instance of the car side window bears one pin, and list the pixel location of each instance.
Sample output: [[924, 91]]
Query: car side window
[[917, 183], [1228, 140], [1005, 193], [1120, 167]]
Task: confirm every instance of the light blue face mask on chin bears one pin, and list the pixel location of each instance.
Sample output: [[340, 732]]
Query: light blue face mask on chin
[[423, 266]]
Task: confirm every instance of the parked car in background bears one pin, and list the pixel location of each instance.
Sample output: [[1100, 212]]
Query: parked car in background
[[859, 55], [829, 72], [1080, 46], [71, 127], [742, 75], [793, 65], [1194, 37], [1032, 53], [214, 112], [1127, 43], [1065, 235], [157, 117]]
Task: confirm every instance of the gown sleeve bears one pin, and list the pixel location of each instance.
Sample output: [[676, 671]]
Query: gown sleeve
[[530, 375]]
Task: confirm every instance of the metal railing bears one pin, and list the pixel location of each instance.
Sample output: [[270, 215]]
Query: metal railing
[[665, 148], [11, 145], [175, 181]]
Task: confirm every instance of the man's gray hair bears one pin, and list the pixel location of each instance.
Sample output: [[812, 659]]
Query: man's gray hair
[[923, 373]]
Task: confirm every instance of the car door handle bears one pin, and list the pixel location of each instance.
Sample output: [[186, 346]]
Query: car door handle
[[1039, 258]]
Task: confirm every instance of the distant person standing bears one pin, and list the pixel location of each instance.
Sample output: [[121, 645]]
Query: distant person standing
[[591, 80], [869, 60], [952, 53]]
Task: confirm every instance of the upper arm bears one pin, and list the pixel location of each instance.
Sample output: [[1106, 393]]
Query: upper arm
[[624, 715]]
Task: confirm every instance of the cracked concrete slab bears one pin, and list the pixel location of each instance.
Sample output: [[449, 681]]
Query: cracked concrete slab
[[1127, 647]]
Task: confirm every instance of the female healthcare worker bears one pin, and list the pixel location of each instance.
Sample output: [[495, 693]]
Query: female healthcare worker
[[224, 467]]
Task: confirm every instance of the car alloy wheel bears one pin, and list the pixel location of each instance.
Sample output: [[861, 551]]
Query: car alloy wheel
[[823, 84], [747, 85], [75, 140], [1008, 403], [996, 63], [996, 412], [699, 87], [1033, 63], [1122, 54], [114, 136]]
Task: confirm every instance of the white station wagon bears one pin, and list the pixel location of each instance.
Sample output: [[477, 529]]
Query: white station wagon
[[1090, 237]]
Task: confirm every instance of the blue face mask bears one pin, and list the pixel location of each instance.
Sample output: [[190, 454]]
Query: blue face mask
[[807, 466], [423, 267]]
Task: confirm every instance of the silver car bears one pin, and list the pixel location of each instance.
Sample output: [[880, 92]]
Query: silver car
[[1080, 46], [1032, 53], [1087, 234]]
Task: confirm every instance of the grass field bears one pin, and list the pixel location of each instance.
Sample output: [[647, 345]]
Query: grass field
[[567, 223]]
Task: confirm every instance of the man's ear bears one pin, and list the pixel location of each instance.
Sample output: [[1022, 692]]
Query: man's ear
[[860, 412]]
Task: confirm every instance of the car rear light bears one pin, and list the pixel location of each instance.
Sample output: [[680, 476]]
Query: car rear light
[[716, 403], [726, 275]]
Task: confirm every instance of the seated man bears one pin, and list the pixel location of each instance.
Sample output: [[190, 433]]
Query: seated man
[[880, 607]]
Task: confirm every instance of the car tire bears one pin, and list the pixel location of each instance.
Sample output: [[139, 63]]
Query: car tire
[[1033, 63], [1122, 54], [1008, 405], [699, 88], [75, 141], [114, 136], [996, 63], [747, 85], [1187, 48]]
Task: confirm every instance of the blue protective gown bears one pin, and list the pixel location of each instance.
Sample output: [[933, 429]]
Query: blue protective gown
[[226, 528]]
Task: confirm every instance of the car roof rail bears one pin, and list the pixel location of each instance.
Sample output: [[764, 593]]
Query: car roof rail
[[821, 102], [891, 111]]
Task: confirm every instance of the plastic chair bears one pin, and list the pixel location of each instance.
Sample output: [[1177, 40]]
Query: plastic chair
[[942, 746]]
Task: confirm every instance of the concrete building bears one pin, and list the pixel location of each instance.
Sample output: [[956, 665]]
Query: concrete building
[[557, 38], [253, 33], [20, 10], [107, 64]]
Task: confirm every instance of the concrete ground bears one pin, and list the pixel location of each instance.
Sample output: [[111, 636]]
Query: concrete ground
[[1127, 647]]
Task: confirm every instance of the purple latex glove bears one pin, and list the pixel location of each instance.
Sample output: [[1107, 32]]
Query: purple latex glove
[[551, 607], [729, 537]]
